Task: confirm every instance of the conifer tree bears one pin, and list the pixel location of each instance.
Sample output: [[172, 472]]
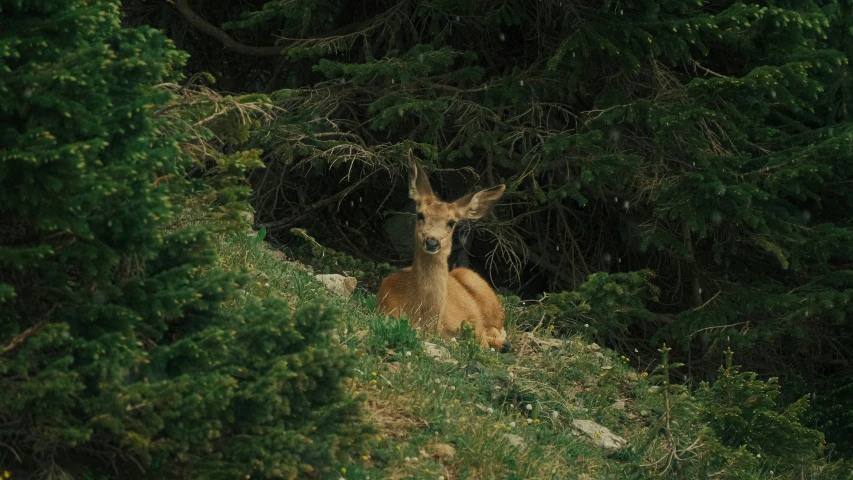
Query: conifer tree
[[116, 346]]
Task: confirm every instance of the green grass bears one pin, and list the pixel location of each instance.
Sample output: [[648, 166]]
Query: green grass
[[451, 419], [423, 406]]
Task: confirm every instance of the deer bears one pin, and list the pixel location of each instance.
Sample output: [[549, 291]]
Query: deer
[[431, 295]]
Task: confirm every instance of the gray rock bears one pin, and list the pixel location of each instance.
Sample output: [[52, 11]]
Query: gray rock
[[439, 353], [338, 284], [601, 436]]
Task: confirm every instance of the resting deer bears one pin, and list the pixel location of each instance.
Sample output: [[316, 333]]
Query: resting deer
[[426, 292]]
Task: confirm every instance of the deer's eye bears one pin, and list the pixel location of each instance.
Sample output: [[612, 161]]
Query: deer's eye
[[451, 224], [420, 216]]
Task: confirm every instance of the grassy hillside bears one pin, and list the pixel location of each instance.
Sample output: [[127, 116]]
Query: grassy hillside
[[448, 409]]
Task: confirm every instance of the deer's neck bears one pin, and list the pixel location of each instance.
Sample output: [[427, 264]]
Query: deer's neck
[[430, 276]]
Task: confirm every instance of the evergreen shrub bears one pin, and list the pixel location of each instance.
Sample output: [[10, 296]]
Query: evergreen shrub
[[120, 340]]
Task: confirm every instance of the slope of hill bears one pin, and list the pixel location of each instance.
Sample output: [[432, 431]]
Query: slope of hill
[[552, 408]]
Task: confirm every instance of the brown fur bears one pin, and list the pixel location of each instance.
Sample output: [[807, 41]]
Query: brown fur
[[429, 295]]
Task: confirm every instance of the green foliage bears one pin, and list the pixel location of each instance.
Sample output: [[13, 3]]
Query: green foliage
[[121, 341], [605, 305], [835, 406], [212, 126], [391, 333], [742, 411], [732, 428]]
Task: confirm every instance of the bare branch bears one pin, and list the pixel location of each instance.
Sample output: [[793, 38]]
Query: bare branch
[[195, 20]]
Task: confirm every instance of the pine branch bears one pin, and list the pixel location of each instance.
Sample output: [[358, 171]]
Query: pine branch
[[19, 339], [195, 20]]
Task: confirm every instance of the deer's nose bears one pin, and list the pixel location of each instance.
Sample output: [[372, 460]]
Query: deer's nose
[[431, 245]]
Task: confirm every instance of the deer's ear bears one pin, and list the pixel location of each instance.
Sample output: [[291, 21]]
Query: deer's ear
[[419, 187], [475, 205]]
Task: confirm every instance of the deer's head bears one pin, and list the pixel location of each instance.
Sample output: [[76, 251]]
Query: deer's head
[[437, 219]]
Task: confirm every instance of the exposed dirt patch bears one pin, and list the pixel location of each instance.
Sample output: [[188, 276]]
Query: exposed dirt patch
[[392, 417]]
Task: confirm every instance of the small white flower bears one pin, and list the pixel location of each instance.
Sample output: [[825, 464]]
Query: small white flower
[[409, 354], [555, 415], [529, 407], [512, 424], [490, 410], [586, 325], [491, 349], [529, 421], [451, 388]]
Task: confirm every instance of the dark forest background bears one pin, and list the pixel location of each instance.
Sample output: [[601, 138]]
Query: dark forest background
[[681, 168]]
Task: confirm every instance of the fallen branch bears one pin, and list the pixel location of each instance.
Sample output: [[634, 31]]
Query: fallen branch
[[309, 210], [195, 20]]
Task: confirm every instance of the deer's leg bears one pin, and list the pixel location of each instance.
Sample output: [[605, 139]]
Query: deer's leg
[[493, 338]]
